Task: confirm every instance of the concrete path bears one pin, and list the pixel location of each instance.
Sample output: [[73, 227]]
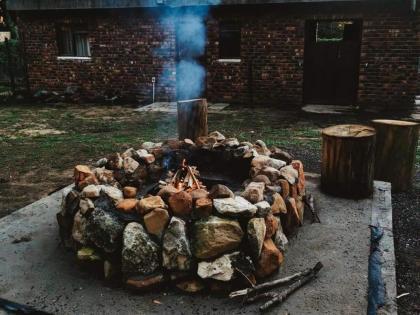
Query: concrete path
[[36, 271]]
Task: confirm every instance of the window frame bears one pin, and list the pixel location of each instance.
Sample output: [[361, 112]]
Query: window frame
[[224, 29], [73, 31]]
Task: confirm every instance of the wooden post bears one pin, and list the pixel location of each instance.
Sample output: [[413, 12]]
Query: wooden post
[[396, 152], [192, 119], [348, 156]]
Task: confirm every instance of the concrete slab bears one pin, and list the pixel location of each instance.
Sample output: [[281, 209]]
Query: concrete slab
[[41, 273], [171, 107]]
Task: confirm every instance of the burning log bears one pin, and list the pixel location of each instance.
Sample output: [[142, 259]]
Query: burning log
[[192, 119], [185, 178]]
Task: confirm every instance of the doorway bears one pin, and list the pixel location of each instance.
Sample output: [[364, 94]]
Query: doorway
[[332, 60]]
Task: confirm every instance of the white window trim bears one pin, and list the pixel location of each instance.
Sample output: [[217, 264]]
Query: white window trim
[[229, 60], [73, 58]]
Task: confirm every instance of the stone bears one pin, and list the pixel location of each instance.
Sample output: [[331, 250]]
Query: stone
[[88, 254], [101, 162], [198, 194], [130, 165], [86, 206], [206, 142], [203, 207], [115, 162], [140, 174], [130, 153], [280, 239], [284, 184], [272, 173], [167, 191], [173, 144], [261, 148], [263, 208], [81, 172], [127, 205], [220, 191], [145, 282], [278, 206], [262, 161], [181, 203], [155, 172], [156, 221], [231, 142], [89, 180], [290, 174], [291, 220], [221, 269], [217, 135], [293, 191], [129, 192], [272, 225], [104, 176], [146, 205], [140, 254], [146, 157], [176, 251], [112, 192], [104, 230], [151, 145], [235, 207], [270, 259], [190, 286], [250, 153], [91, 191], [298, 165], [79, 229], [300, 206], [256, 231], [262, 179], [281, 155], [254, 192], [216, 236]]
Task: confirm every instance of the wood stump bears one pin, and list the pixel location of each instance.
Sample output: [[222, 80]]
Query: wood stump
[[192, 119], [348, 156], [396, 144]]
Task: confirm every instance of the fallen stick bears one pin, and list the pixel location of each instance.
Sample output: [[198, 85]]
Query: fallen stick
[[309, 201], [282, 296], [272, 284]]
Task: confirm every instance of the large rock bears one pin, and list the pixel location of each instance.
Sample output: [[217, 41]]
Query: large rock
[[104, 230], [146, 205], [264, 208], [262, 161], [198, 194], [127, 205], [83, 176], [289, 174], [216, 236], [235, 207], [79, 229], [140, 254], [270, 259], [130, 165], [181, 203], [130, 192], [86, 206], [176, 251], [156, 221], [221, 269], [91, 191], [217, 135], [261, 148], [113, 193], [281, 155], [114, 162], [254, 192], [203, 207], [285, 188], [272, 225], [278, 206], [297, 165], [272, 173], [280, 239], [256, 231], [167, 191], [220, 191], [104, 176]]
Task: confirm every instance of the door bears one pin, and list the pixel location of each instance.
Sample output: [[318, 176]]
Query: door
[[332, 57]]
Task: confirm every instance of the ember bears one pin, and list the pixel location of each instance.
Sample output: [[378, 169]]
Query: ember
[[145, 217]]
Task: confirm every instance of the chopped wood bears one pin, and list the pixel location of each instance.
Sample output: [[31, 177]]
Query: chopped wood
[[309, 202], [274, 283]]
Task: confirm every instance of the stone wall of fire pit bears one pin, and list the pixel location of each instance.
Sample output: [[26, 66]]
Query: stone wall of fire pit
[[213, 213]]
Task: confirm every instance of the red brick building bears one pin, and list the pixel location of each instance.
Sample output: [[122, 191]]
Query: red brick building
[[279, 52]]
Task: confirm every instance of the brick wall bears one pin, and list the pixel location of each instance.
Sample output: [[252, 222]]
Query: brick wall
[[123, 44]]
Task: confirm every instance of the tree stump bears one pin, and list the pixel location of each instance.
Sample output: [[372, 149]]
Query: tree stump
[[396, 152], [192, 119], [348, 156]]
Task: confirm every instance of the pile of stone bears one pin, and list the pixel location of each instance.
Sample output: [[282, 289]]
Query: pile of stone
[[127, 218]]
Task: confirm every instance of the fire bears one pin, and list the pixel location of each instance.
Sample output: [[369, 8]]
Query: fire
[[185, 178]]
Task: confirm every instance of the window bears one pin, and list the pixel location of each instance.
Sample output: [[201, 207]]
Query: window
[[73, 41], [334, 31], [230, 41]]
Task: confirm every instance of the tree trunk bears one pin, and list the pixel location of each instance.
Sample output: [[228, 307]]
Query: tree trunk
[[348, 156], [192, 119], [396, 152]]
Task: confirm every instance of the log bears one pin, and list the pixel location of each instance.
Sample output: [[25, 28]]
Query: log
[[192, 119], [396, 152], [348, 157]]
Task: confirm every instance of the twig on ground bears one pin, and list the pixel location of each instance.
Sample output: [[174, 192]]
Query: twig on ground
[[309, 201]]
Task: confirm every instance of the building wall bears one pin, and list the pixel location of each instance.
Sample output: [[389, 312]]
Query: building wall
[[124, 58]]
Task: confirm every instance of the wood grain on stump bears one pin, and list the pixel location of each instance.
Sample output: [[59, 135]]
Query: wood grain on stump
[[396, 152], [192, 119], [348, 156]]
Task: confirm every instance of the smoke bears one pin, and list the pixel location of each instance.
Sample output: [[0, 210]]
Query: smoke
[[191, 38]]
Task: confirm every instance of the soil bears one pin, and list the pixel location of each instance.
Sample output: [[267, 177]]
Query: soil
[[34, 164]]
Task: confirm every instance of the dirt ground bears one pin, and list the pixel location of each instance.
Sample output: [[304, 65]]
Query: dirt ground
[[40, 144]]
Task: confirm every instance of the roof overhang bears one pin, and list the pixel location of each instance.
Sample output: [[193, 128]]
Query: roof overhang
[[29, 5]]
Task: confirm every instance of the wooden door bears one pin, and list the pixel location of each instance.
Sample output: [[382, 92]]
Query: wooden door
[[332, 57]]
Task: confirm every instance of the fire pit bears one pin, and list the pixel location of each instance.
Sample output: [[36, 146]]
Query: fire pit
[[211, 213]]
